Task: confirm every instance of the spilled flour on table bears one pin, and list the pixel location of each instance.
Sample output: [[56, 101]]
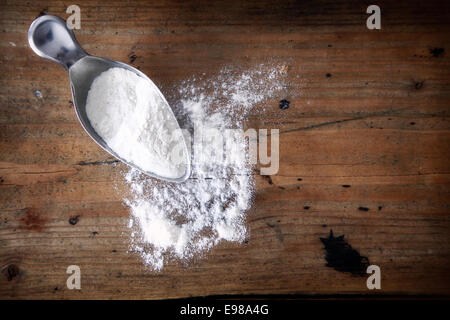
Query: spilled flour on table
[[184, 220]]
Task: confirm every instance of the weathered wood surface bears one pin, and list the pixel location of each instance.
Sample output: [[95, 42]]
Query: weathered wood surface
[[379, 123]]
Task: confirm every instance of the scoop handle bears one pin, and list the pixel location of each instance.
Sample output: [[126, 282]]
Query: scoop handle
[[50, 38]]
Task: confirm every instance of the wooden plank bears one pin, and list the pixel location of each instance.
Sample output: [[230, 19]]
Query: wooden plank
[[364, 148]]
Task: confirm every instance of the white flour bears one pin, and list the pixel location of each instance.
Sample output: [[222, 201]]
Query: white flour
[[128, 112], [184, 220]]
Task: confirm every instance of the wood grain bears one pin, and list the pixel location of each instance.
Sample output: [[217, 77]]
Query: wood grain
[[374, 133]]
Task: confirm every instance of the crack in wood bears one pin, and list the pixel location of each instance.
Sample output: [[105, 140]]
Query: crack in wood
[[97, 163]]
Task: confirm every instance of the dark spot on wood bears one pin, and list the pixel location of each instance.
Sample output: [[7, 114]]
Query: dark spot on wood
[[346, 186], [132, 56], [56, 289], [2, 180], [62, 180], [32, 220], [329, 46], [328, 75], [269, 179], [74, 220], [43, 12], [306, 207], [324, 226], [94, 233], [379, 208], [363, 209], [114, 250], [282, 188], [11, 272], [418, 85], [436, 52], [342, 257], [299, 179], [412, 123], [277, 230], [284, 104]]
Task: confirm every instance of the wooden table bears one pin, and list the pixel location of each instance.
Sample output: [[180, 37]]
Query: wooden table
[[364, 148]]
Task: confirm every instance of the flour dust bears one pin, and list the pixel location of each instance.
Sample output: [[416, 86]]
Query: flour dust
[[184, 220]]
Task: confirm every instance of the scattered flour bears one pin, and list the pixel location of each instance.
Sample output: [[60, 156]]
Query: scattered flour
[[184, 220], [132, 117]]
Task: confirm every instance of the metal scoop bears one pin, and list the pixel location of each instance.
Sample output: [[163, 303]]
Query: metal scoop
[[50, 38]]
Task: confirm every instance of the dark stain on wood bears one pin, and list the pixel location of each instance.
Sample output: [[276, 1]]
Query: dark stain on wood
[[43, 12], [132, 56], [269, 179], [363, 209], [284, 104], [32, 220], [437, 52], [419, 85], [277, 230], [74, 220], [11, 272], [342, 257]]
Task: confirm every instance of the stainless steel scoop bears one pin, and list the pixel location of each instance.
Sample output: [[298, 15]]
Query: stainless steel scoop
[[50, 38]]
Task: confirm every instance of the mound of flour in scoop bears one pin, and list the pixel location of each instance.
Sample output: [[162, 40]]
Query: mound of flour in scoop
[[184, 220], [134, 120]]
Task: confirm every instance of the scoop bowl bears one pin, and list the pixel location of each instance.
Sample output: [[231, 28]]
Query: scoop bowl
[[50, 38]]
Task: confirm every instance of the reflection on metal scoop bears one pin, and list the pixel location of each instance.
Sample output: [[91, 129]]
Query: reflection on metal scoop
[[50, 38]]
